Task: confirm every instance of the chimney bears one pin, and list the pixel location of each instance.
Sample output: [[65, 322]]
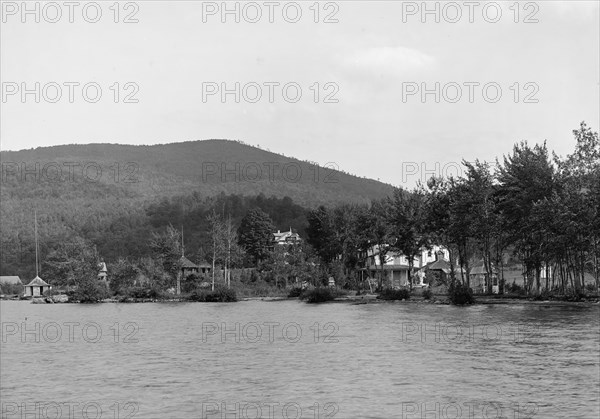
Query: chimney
[[278, 232]]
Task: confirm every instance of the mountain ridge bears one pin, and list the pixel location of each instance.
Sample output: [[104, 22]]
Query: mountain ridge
[[205, 166]]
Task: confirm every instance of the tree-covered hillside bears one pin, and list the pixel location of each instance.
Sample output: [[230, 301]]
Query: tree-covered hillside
[[207, 167]]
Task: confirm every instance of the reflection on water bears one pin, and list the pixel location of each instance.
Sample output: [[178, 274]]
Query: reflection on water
[[290, 359]]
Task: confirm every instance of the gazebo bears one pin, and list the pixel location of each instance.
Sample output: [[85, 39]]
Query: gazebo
[[36, 287], [437, 271], [204, 267], [186, 267]]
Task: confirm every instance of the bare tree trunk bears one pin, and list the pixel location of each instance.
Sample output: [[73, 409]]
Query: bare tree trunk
[[452, 271], [411, 263], [228, 265], [467, 267], [596, 267], [381, 263], [213, 266], [461, 261]]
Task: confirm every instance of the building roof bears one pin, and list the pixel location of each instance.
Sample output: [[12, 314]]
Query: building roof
[[10, 280], [478, 270], [285, 236], [186, 263], [398, 267], [438, 265], [204, 264], [37, 282]]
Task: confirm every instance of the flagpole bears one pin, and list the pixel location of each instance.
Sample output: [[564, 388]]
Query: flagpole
[[36, 244]]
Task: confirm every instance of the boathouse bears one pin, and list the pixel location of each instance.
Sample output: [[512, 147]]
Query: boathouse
[[36, 287]]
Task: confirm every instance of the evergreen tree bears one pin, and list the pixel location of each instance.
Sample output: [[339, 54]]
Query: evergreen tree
[[256, 234]]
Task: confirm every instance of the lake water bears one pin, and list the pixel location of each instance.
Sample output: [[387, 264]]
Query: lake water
[[287, 359]]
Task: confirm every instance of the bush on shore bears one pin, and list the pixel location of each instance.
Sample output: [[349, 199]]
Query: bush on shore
[[257, 289], [295, 292], [219, 295], [392, 294], [91, 291], [460, 294], [427, 294], [318, 295]]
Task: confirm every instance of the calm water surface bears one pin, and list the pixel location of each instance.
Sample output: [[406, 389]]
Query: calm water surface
[[289, 359]]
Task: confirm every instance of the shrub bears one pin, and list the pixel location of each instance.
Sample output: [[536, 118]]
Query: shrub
[[392, 294], [575, 296], [90, 291], [51, 292], [460, 294], [219, 295], [515, 289], [137, 292], [543, 296], [257, 289], [8, 288], [317, 295], [143, 293], [295, 292], [191, 282], [427, 294]]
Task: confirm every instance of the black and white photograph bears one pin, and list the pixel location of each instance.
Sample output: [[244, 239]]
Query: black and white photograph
[[310, 209]]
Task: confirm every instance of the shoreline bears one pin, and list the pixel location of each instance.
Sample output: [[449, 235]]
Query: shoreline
[[353, 299]]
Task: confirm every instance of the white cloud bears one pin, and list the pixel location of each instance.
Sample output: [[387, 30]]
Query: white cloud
[[395, 61], [574, 9]]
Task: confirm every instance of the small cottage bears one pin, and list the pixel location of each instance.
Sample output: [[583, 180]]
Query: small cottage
[[36, 287]]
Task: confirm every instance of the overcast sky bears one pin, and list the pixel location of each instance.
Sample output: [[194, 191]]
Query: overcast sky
[[368, 64]]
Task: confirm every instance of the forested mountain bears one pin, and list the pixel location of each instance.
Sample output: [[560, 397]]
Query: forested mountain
[[207, 167], [116, 195]]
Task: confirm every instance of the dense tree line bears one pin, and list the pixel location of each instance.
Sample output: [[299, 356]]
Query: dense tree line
[[541, 209], [123, 227]]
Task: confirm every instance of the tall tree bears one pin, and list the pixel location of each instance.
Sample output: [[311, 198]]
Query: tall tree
[[216, 242], [483, 221], [525, 177], [379, 232], [256, 234], [437, 216], [166, 249], [407, 222], [322, 234], [76, 264]]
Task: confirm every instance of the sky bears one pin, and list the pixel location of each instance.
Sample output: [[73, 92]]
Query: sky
[[390, 90]]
